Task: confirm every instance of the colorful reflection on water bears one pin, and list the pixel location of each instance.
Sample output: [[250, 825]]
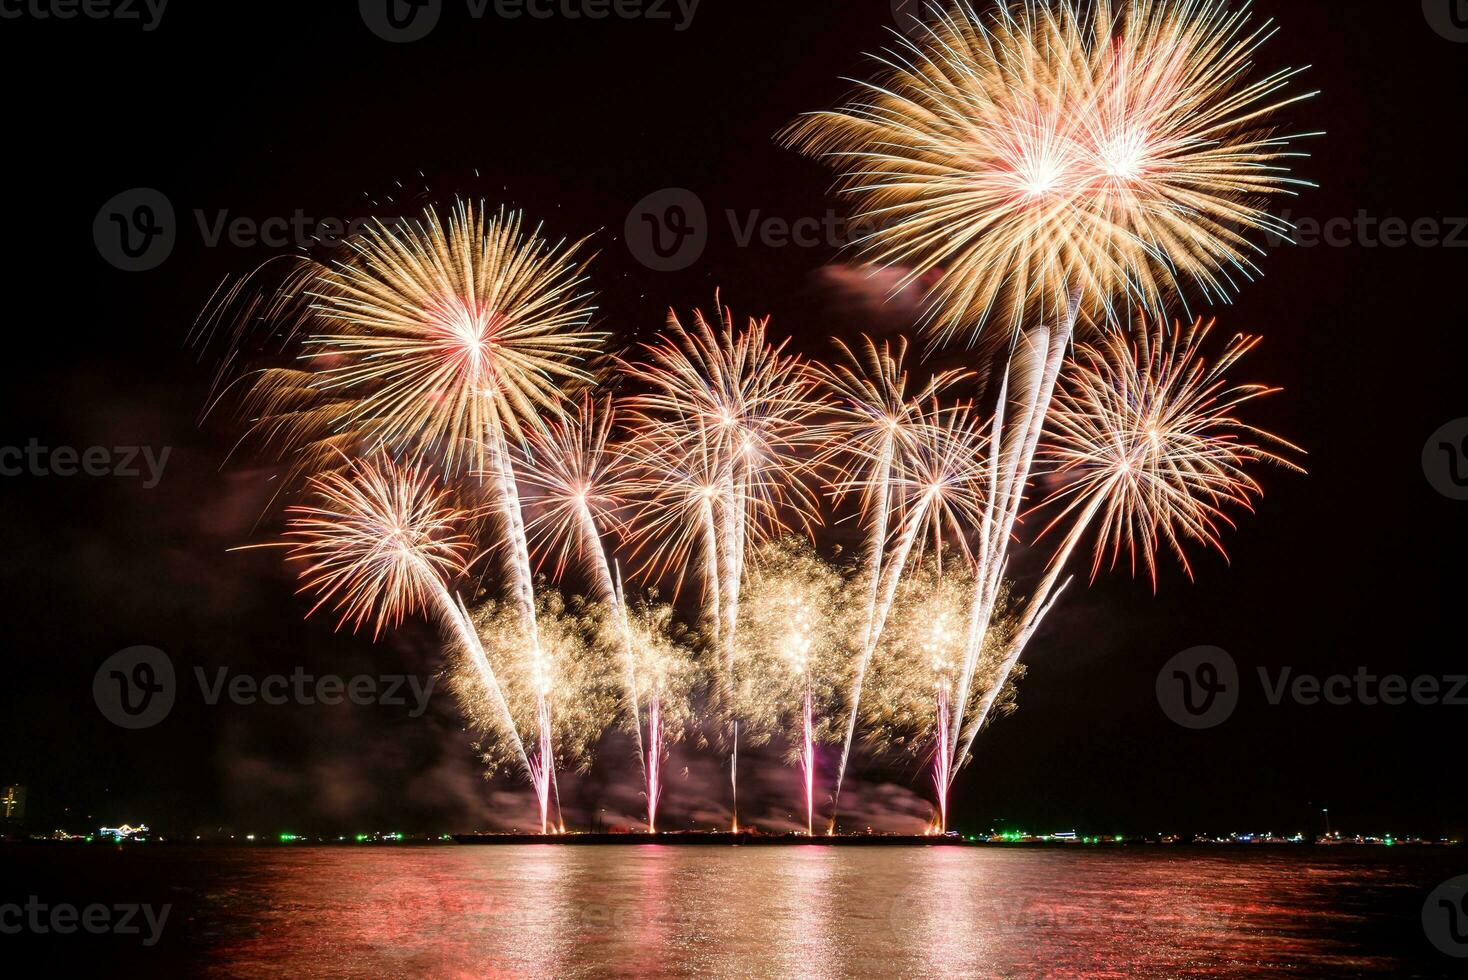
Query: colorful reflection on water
[[558, 911]]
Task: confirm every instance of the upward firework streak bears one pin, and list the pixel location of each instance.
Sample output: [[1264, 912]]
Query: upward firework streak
[[735, 412], [876, 422], [579, 480], [936, 476]]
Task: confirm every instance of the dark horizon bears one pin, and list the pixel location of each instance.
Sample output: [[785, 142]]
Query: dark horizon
[[266, 110]]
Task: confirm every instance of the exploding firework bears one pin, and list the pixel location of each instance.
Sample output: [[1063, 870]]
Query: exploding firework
[[578, 482], [378, 541], [665, 679], [913, 696], [433, 338], [1146, 446], [555, 685], [796, 640], [743, 410], [381, 542], [1147, 449], [1057, 153]]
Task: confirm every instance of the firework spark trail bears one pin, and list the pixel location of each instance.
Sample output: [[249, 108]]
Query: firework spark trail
[[521, 577], [940, 480], [654, 762], [1039, 362], [1145, 438], [578, 479], [942, 761], [808, 763]]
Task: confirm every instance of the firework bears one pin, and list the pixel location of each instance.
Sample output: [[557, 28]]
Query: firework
[[378, 541], [429, 338], [796, 639], [554, 684], [938, 480], [666, 678], [1054, 154], [745, 410], [381, 542], [1147, 450], [577, 490], [725, 431], [913, 695]]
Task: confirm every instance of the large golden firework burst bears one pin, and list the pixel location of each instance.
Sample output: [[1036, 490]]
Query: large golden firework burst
[[436, 338], [1057, 152]]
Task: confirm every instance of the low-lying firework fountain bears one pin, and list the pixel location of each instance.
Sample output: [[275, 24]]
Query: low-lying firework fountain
[[440, 403]]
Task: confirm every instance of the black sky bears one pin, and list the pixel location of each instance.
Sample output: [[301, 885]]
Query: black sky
[[260, 109]]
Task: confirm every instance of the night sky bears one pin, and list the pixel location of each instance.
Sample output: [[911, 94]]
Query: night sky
[[262, 109]]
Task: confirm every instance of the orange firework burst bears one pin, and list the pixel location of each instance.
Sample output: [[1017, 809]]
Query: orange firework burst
[[1146, 444], [378, 543], [1055, 151]]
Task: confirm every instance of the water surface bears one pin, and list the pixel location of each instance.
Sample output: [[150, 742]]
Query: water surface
[[556, 911]]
